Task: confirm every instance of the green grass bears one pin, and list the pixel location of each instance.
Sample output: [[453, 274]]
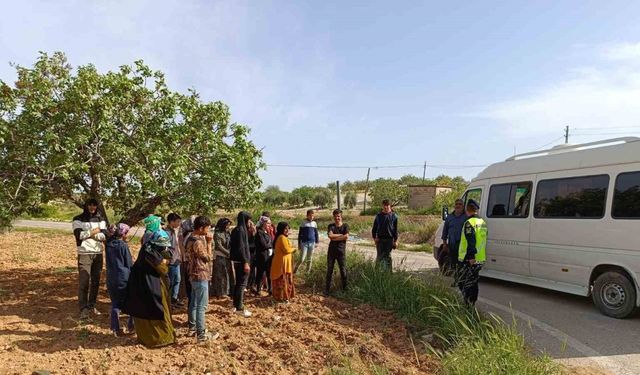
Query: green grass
[[467, 342], [63, 270], [420, 248], [42, 230], [25, 257], [57, 211]]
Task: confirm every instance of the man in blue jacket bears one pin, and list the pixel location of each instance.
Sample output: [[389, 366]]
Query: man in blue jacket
[[385, 234], [451, 233]]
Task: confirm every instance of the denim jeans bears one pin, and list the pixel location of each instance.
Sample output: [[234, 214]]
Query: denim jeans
[[115, 319], [174, 281], [116, 304], [306, 251], [198, 305]]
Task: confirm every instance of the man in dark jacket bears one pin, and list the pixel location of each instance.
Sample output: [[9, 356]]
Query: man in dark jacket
[[451, 232], [241, 259], [385, 234]]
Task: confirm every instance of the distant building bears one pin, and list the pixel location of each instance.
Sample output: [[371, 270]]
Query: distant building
[[422, 196]]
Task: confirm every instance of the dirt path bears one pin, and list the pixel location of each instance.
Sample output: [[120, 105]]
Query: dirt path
[[39, 328]]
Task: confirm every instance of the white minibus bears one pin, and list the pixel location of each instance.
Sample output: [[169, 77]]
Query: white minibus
[[567, 219]]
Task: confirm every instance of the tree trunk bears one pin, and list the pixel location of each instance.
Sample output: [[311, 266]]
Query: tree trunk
[[140, 211]]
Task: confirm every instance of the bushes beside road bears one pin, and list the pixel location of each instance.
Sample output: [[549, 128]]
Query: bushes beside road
[[465, 341]]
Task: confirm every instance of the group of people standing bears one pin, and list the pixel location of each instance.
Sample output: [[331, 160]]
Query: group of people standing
[[195, 259]]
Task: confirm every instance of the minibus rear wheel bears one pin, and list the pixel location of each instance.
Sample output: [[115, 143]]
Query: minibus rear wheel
[[614, 295]]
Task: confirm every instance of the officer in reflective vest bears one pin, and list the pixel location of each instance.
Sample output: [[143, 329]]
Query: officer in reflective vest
[[471, 254]]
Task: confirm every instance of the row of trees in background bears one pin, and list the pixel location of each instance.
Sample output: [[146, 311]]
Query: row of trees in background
[[396, 190]]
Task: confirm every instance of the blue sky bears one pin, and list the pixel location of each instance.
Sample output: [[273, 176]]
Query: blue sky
[[367, 83]]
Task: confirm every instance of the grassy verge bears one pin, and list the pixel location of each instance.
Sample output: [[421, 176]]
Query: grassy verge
[[467, 342]]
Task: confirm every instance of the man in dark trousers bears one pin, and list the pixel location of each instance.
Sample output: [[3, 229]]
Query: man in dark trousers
[[338, 235], [385, 234], [451, 233], [472, 252]]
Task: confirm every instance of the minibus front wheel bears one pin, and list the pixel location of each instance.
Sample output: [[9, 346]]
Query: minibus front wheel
[[614, 295]]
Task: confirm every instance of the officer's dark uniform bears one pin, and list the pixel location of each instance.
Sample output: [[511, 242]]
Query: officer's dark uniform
[[473, 243]]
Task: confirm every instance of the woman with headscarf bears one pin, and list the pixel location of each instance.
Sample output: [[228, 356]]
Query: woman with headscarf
[[148, 298], [186, 228], [222, 281], [264, 251], [241, 258], [152, 224], [282, 265], [118, 258]]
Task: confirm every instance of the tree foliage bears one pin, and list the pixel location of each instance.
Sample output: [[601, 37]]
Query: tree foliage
[[350, 199], [388, 188], [123, 137], [323, 198], [302, 196], [275, 197]]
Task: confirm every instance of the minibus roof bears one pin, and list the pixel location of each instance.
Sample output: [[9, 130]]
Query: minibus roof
[[567, 157]]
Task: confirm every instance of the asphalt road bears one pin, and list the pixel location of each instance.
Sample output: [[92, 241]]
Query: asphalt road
[[566, 327]]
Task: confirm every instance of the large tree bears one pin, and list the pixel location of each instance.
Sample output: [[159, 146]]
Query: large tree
[[123, 137]]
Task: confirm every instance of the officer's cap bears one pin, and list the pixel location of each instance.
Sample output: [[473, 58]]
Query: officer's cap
[[473, 204]]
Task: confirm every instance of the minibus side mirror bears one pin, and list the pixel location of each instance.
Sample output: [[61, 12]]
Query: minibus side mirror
[[445, 212]]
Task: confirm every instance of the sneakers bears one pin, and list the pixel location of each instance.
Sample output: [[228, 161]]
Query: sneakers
[[245, 313], [84, 314], [176, 303], [119, 333], [88, 311], [207, 336]]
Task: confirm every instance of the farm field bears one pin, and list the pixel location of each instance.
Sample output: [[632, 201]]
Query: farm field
[[39, 329]]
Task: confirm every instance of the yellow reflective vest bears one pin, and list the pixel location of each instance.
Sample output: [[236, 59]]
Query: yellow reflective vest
[[481, 232]]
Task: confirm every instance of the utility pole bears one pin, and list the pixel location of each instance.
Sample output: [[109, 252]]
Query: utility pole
[[366, 189], [424, 172], [566, 134], [338, 192]]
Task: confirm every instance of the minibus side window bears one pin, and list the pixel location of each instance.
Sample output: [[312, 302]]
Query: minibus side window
[[475, 194], [509, 200], [581, 197], [626, 196]]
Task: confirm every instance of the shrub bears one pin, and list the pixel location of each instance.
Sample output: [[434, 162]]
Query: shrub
[[323, 198], [472, 343], [274, 196], [350, 199]]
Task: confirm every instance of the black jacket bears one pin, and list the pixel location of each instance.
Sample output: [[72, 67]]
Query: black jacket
[[239, 244], [385, 226], [263, 244], [144, 288]]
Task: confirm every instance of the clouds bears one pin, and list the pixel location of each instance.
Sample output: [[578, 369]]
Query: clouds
[[603, 95]]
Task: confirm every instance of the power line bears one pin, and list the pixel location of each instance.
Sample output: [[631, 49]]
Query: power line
[[615, 133], [609, 128], [550, 143], [437, 166]]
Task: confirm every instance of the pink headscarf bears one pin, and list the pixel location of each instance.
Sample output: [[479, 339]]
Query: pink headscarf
[[122, 229]]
